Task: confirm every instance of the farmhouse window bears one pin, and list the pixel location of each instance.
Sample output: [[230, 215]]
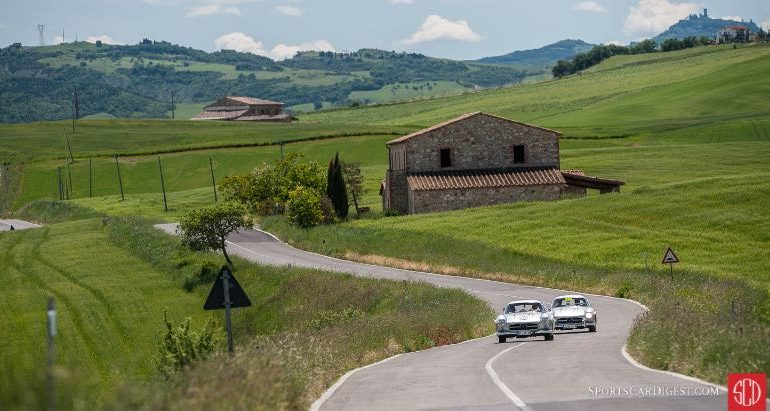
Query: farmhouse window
[[446, 157], [518, 154]]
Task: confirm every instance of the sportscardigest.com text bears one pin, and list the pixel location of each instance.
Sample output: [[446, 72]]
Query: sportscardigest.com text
[[652, 391]]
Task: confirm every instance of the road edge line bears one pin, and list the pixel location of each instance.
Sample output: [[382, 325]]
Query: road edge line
[[515, 399], [317, 404], [637, 364]]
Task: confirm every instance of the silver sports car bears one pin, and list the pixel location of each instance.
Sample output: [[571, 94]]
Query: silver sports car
[[525, 318], [573, 312]]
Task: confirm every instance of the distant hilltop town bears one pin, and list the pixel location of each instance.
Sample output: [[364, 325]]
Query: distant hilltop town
[[701, 25]]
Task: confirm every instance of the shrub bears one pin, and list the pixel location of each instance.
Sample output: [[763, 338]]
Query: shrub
[[180, 347], [304, 207]]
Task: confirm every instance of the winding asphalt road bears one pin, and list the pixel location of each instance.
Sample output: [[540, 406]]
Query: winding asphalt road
[[576, 371], [6, 225]]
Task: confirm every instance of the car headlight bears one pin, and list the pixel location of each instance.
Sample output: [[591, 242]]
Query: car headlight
[[589, 315], [501, 320]]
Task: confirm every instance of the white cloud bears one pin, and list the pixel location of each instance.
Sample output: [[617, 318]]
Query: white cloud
[[244, 43], [652, 17], [105, 39], [210, 9], [614, 43], [590, 6], [289, 10], [438, 28], [736, 18], [402, 1], [766, 25], [58, 40]]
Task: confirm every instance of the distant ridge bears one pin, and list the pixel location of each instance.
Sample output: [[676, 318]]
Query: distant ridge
[[701, 25], [542, 58]]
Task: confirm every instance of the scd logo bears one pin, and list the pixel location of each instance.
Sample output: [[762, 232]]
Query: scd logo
[[746, 392]]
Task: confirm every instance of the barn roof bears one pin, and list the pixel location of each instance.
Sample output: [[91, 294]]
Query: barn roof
[[462, 179], [461, 118], [219, 115], [254, 101]]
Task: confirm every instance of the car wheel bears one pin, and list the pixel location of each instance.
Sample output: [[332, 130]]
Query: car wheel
[[592, 328], [549, 337], [500, 339]]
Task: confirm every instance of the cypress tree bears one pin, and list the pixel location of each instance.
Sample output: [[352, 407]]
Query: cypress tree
[[335, 188]]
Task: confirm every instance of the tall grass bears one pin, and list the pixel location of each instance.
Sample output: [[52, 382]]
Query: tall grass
[[114, 277]]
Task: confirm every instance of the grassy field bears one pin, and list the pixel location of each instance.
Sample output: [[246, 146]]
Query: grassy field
[[409, 91], [46, 140], [594, 104], [113, 279]]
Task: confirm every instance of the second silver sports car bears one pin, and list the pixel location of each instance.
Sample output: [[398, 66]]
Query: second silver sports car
[[573, 312]]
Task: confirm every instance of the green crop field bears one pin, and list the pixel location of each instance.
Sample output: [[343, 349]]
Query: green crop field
[[114, 278], [409, 91]]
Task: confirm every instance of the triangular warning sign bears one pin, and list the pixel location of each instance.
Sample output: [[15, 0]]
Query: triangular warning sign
[[216, 298], [670, 257]]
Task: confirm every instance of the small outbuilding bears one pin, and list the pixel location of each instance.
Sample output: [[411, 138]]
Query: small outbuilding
[[244, 109], [479, 159]]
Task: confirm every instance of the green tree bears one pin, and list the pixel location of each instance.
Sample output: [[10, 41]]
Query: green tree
[[207, 228], [267, 188], [354, 182], [304, 207], [335, 188]]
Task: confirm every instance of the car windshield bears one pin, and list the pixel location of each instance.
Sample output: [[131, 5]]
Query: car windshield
[[569, 302], [523, 308]]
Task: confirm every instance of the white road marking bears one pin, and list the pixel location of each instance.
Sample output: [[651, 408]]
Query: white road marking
[[500, 384], [317, 404], [636, 364]]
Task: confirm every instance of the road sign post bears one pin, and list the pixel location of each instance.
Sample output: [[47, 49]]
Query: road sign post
[[227, 293], [670, 258]]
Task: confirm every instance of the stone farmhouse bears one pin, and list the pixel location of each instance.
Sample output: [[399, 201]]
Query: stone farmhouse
[[244, 109], [479, 159]]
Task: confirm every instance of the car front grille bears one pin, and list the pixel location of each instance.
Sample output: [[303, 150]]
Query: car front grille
[[569, 320], [522, 326]]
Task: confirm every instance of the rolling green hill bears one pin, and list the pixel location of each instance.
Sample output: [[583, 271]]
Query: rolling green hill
[[137, 81], [543, 58]]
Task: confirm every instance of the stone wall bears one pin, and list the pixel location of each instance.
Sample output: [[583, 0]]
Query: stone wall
[[396, 189], [481, 142], [569, 191], [443, 200]]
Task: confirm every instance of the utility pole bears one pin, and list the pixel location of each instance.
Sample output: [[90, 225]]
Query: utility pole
[[59, 183], [75, 109], [173, 106], [162, 185], [41, 33], [120, 180], [213, 181], [69, 148]]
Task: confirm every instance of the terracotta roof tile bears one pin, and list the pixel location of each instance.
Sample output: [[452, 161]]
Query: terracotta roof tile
[[219, 115], [253, 101], [461, 179]]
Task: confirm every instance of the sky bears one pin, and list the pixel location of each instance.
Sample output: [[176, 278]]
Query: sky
[[456, 29]]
